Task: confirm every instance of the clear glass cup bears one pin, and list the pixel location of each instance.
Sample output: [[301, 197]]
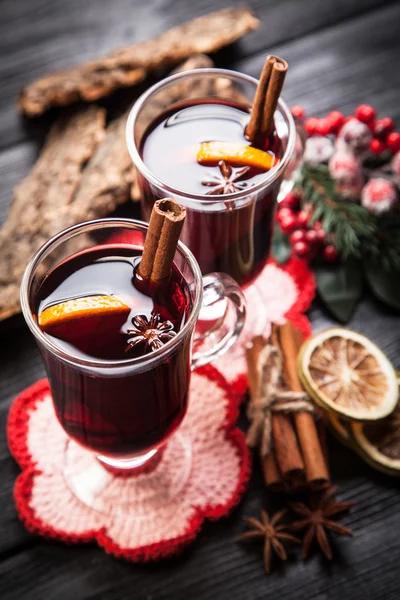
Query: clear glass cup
[[227, 232], [108, 406]]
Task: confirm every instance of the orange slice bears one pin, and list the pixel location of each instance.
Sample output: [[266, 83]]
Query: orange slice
[[70, 311], [237, 155]]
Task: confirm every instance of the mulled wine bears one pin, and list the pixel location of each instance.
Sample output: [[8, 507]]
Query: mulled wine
[[92, 307], [232, 235]]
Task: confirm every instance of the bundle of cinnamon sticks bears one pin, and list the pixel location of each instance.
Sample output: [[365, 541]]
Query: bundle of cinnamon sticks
[[297, 458]]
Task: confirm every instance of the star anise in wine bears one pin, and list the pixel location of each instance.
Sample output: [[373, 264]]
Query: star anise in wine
[[226, 182], [317, 519], [273, 531], [152, 332]]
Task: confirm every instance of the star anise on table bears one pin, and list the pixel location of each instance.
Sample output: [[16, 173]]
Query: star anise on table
[[152, 332], [273, 531], [317, 519], [226, 182]]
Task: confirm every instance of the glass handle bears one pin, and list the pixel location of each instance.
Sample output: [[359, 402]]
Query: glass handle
[[221, 319]]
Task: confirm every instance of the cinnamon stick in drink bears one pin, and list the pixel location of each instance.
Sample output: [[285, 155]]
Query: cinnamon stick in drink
[[162, 237], [316, 468], [266, 100]]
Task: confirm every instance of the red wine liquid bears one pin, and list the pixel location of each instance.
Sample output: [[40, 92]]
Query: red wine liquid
[[237, 238], [116, 413]]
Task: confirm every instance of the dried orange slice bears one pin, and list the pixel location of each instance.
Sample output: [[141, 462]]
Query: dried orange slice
[[347, 374], [379, 442], [237, 155], [70, 311], [340, 429]]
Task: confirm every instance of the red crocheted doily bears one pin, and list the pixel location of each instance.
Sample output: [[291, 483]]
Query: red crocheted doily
[[219, 472]]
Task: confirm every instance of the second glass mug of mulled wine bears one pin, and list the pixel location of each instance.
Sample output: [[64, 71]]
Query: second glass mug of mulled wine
[[230, 210], [118, 360]]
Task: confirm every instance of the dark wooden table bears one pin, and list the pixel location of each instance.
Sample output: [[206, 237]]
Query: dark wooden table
[[341, 53]]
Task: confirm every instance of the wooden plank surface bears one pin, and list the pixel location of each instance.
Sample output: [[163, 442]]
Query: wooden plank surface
[[341, 53]]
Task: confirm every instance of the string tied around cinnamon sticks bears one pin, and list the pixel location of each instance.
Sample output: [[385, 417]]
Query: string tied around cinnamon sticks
[[297, 458], [271, 398]]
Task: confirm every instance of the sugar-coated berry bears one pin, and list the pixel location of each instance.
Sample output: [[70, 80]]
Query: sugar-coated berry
[[335, 119], [298, 235], [393, 141], [284, 212], [291, 200], [311, 125], [330, 253], [302, 250], [365, 113], [377, 146], [288, 224], [302, 218], [312, 237], [298, 111], [383, 127]]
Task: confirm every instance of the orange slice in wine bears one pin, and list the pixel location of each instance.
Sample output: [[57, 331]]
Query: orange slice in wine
[[237, 155], [71, 311]]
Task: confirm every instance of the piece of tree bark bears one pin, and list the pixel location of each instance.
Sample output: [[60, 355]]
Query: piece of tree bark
[[41, 204], [128, 66]]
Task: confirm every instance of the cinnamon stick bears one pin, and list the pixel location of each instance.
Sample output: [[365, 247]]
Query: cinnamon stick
[[271, 473], [283, 465], [257, 109], [275, 86], [266, 99], [287, 450], [162, 237], [316, 468]]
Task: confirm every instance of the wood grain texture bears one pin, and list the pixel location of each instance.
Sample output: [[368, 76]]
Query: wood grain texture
[[341, 53]]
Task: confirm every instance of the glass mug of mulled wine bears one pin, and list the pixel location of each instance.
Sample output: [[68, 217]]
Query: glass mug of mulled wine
[[118, 359], [229, 209]]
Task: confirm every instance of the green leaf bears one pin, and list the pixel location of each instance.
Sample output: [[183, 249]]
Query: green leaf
[[385, 285], [340, 287], [280, 246]]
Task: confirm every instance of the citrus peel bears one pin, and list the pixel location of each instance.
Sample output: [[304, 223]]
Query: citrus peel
[[81, 308], [237, 155]]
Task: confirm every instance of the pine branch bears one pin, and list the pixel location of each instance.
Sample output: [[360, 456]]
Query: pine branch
[[350, 225]]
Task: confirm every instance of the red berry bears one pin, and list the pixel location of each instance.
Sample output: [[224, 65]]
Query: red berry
[[393, 141], [284, 212], [299, 235], [324, 127], [377, 146], [321, 235], [312, 237], [288, 224], [335, 118], [301, 249], [302, 218], [311, 125], [383, 127], [365, 113], [291, 200], [298, 111], [330, 253], [317, 225]]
